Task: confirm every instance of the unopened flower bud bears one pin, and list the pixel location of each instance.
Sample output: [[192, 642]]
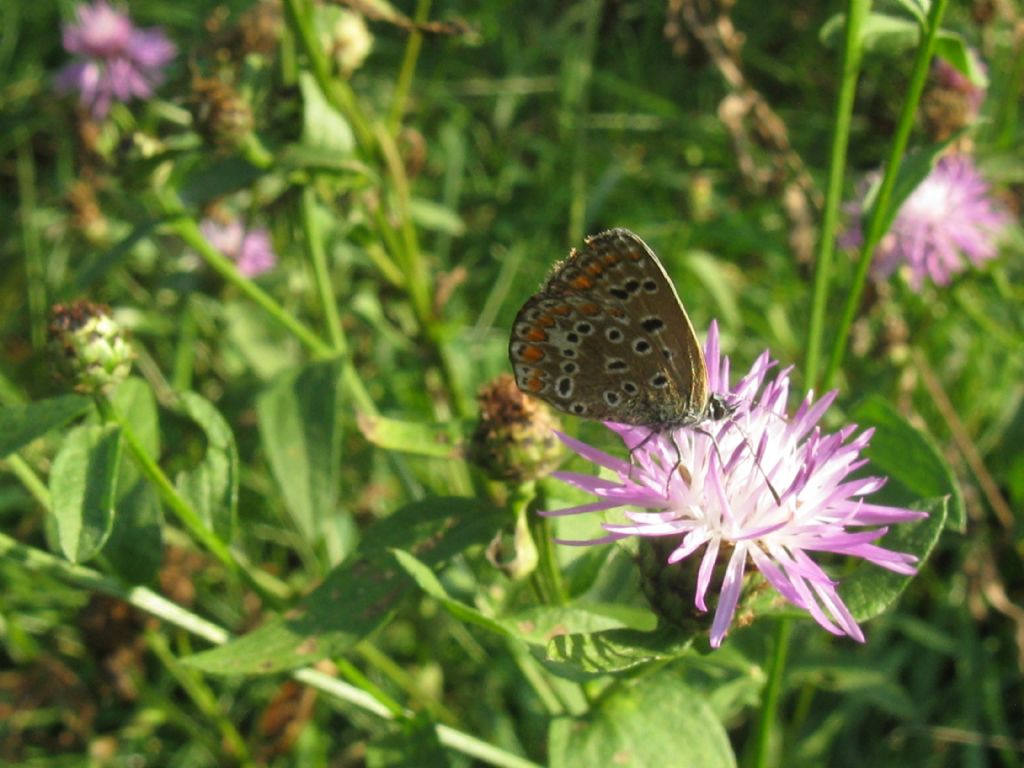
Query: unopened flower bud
[[346, 39], [90, 348], [222, 117], [514, 440]]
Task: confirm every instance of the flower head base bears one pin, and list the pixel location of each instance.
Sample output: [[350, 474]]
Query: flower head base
[[948, 222], [710, 490], [117, 61], [251, 250]]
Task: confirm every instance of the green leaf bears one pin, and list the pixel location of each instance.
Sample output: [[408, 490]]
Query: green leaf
[[135, 546], [542, 623], [869, 590], [915, 467], [361, 594], [212, 486], [651, 721], [617, 650], [250, 341], [891, 36], [428, 582], [82, 485], [442, 441], [301, 435], [136, 404], [323, 127], [210, 177], [881, 34], [953, 49], [436, 217], [21, 424]]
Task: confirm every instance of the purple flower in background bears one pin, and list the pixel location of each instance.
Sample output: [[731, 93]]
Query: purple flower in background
[[116, 60], [718, 499], [948, 221], [251, 250]]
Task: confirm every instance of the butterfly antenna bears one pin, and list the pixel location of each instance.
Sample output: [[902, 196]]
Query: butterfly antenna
[[757, 463]]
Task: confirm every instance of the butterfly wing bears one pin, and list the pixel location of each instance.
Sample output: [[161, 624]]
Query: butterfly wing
[[606, 337]]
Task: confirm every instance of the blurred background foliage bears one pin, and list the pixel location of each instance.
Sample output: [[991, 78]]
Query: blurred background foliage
[[525, 128]]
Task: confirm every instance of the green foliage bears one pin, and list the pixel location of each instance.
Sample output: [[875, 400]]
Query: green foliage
[[283, 483], [82, 487]]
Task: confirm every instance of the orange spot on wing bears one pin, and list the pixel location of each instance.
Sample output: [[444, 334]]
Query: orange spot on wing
[[590, 309], [546, 321], [531, 354], [594, 268], [582, 283], [561, 310], [535, 384], [536, 334], [616, 312]]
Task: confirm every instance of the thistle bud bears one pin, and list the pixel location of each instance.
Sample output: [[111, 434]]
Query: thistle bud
[[514, 439], [222, 117], [90, 348]]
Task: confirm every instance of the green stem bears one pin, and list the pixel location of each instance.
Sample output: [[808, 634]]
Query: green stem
[[37, 561], [547, 577], [28, 477], [187, 229], [405, 74], [336, 91], [856, 12], [769, 713], [321, 274], [35, 268], [879, 218]]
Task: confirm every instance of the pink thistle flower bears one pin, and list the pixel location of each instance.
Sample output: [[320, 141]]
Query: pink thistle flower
[[251, 250], [681, 485], [948, 222], [116, 60]]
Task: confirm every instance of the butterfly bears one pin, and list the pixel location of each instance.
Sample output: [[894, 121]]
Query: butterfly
[[606, 337]]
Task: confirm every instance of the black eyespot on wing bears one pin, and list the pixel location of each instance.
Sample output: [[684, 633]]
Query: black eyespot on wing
[[641, 346], [652, 324]]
